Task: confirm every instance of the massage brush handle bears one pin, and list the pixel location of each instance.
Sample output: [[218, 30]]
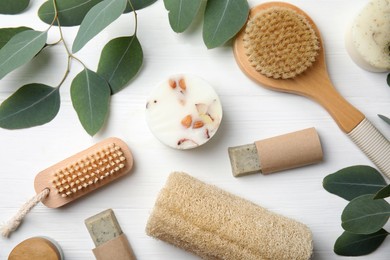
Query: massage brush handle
[[364, 134], [368, 138]]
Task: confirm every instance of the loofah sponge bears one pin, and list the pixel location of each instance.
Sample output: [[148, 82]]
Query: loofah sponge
[[215, 224], [280, 43]]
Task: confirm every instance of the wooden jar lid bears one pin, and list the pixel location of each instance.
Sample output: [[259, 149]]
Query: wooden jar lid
[[35, 248]]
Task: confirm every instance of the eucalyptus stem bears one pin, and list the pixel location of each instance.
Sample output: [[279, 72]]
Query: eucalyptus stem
[[135, 17], [66, 72], [62, 39]]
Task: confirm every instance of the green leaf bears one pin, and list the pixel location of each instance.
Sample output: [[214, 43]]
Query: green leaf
[[31, 105], [383, 193], [364, 215], [182, 13], [98, 18], [120, 61], [388, 79], [354, 181], [13, 6], [384, 118], [138, 4], [20, 49], [222, 20], [349, 244], [90, 95], [7, 33], [70, 12]]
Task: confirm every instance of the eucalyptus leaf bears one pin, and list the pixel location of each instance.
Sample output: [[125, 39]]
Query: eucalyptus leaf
[[388, 79], [20, 49], [120, 61], [349, 244], [98, 18], [70, 12], [354, 181], [383, 193], [182, 13], [31, 105], [384, 118], [364, 215], [138, 4], [13, 6], [90, 95], [222, 20], [7, 33]]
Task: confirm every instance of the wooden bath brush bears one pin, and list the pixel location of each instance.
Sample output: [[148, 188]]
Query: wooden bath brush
[[76, 176], [280, 47]]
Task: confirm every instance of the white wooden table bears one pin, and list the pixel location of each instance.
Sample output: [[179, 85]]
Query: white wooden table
[[250, 113]]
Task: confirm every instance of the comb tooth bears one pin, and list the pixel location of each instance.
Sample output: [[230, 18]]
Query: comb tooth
[[63, 195]]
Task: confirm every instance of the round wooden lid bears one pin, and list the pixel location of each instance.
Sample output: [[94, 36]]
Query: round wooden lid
[[35, 248]]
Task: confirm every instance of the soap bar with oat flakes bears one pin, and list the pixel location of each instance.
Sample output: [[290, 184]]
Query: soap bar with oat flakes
[[183, 112]]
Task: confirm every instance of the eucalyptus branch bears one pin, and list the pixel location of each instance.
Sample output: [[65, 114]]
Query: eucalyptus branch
[[120, 61]]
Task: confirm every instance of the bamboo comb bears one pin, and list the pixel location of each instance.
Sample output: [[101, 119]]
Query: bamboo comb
[[77, 176], [280, 47]]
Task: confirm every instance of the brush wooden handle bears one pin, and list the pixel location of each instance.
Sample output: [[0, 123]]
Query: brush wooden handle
[[345, 115]]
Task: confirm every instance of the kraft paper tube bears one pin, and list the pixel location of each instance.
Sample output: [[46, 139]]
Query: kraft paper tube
[[289, 151], [117, 248]]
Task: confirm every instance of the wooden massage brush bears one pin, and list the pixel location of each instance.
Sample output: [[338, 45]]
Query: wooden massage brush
[[77, 176], [280, 47]]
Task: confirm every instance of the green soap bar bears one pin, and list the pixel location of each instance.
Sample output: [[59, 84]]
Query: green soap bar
[[103, 227], [244, 159]]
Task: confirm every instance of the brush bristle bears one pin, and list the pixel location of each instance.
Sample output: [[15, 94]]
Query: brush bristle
[[280, 43], [88, 171]]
